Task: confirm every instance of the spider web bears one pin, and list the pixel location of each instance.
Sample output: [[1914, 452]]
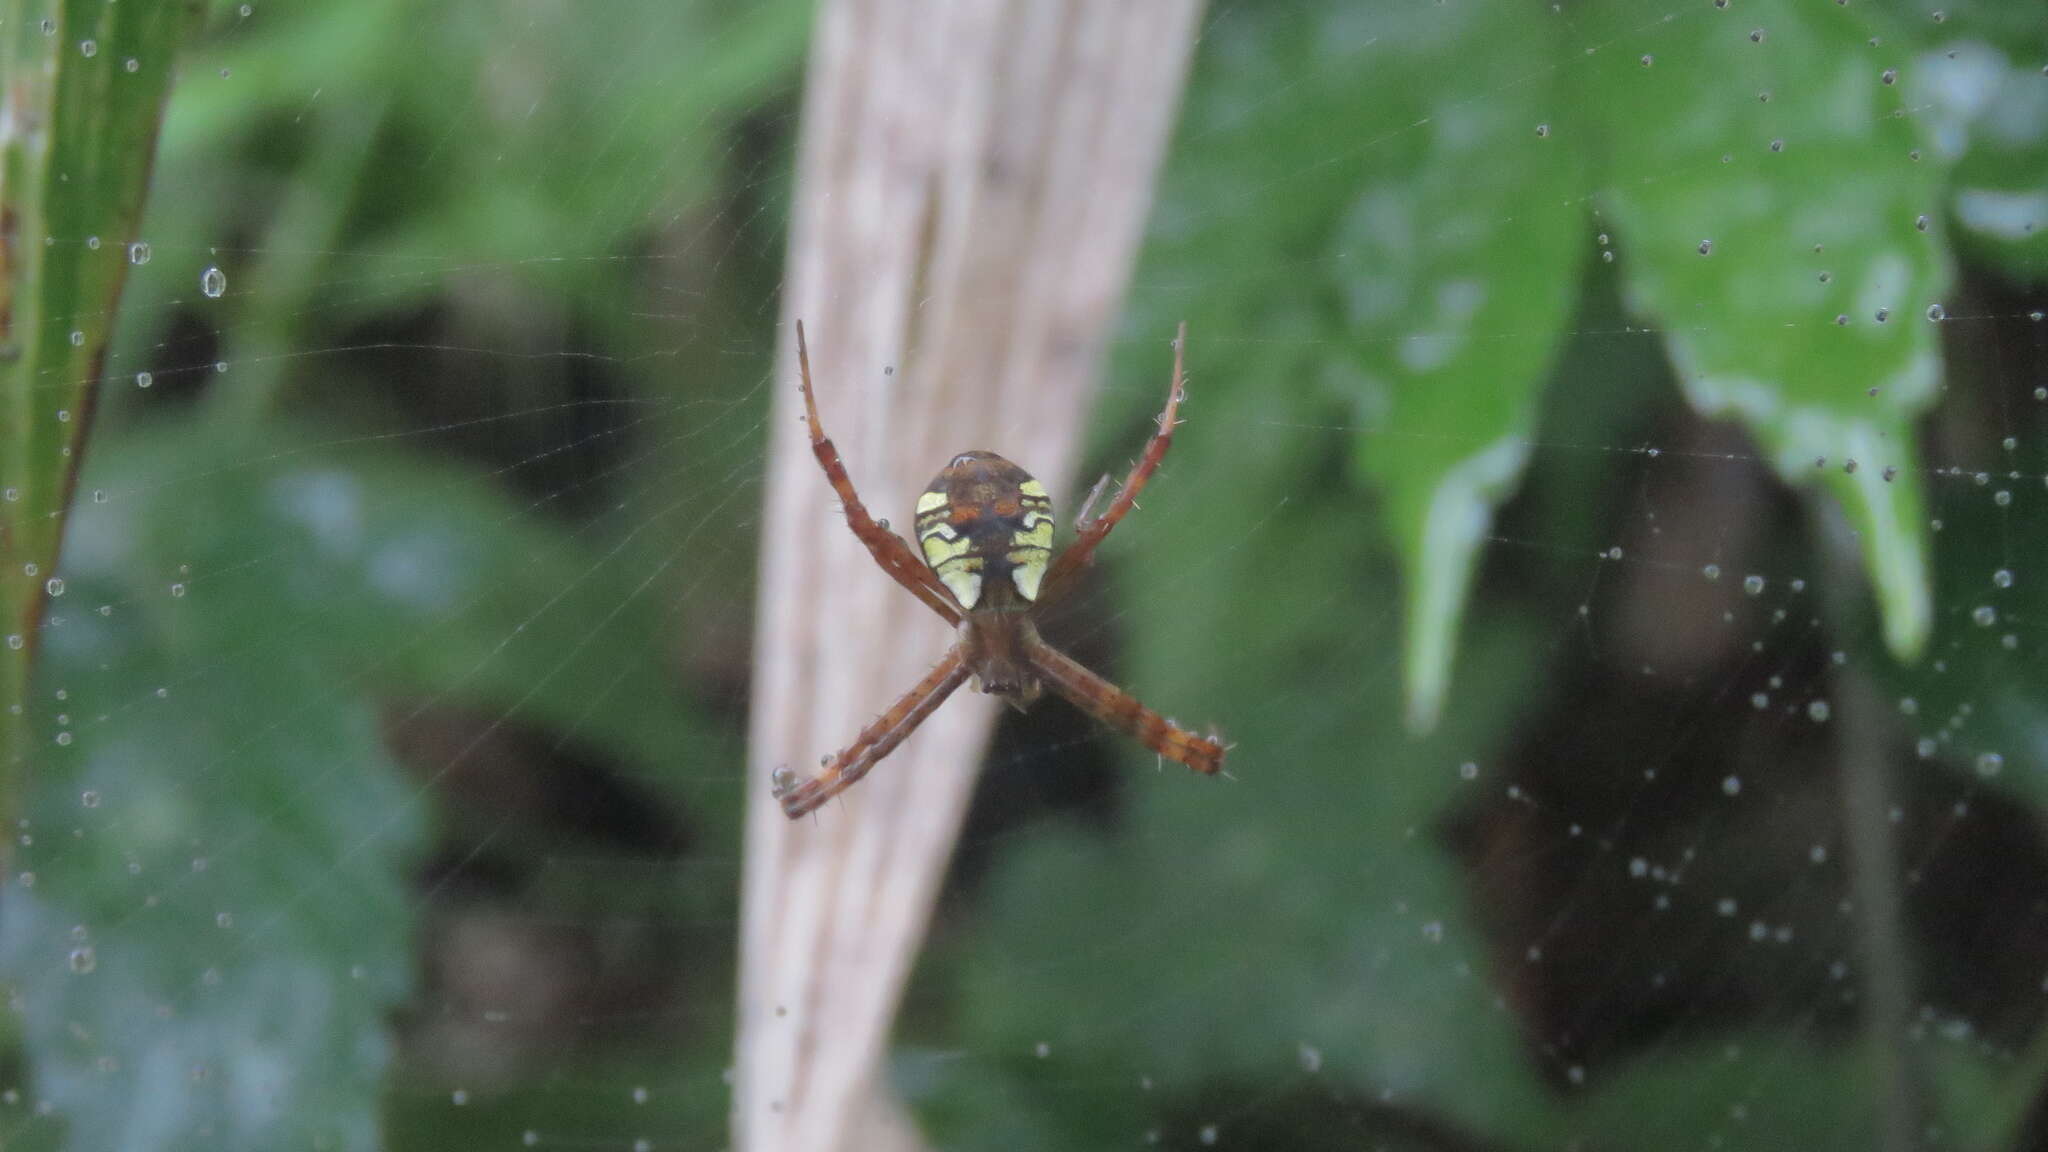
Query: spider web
[[395, 691]]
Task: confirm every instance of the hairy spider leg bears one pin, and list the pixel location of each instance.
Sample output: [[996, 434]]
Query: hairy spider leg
[[1118, 708], [890, 551], [874, 742], [1090, 530]]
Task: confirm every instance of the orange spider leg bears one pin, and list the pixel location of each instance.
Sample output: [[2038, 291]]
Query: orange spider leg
[[1118, 708], [1089, 531], [889, 550], [874, 742]]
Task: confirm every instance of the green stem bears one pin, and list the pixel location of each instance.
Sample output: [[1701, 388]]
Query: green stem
[[82, 90]]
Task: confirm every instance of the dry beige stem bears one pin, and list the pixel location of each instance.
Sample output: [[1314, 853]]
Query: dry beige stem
[[972, 184]]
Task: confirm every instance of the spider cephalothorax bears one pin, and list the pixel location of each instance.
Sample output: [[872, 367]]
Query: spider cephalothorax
[[985, 528]]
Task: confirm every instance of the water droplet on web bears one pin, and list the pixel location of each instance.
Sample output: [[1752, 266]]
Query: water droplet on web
[[1890, 473], [459, 1097], [49, 26], [1542, 131], [2002, 498], [14, 641], [78, 339], [1711, 571], [84, 960], [1042, 1049], [1883, 314], [54, 585], [1818, 711], [1759, 700], [2002, 578], [530, 1138], [131, 64], [1731, 785], [1925, 748], [88, 48], [639, 1094], [1468, 771], [1984, 615], [1990, 764], [1706, 247], [89, 798], [1818, 854], [177, 590], [1208, 1134], [1889, 76], [1754, 585], [213, 282], [138, 253], [1908, 706]]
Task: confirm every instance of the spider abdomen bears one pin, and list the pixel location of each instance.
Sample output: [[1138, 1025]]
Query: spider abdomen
[[985, 526]]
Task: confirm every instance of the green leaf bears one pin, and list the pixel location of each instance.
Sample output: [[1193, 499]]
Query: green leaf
[[215, 815], [1763, 178], [79, 109], [1457, 265]]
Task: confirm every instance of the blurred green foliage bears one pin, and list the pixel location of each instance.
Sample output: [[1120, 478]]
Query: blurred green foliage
[[463, 463]]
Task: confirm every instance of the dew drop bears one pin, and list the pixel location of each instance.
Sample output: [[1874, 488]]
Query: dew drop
[[1542, 131], [1706, 247], [1711, 571], [88, 48], [2002, 498], [1990, 764], [1890, 473], [2002, 578], [1818, 711], [1889, 76], [1731, 785], [177, 590], [54, 586], [144, 379], [1754, 585], [213, 282], [83, 960], [1984, 615], [89, 798], [138, 253], [1883, 314], [78, 339]]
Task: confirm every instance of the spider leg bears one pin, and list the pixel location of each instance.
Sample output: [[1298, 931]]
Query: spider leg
[[890, 551], [1118, 708], [875, 741], [1090, 530]]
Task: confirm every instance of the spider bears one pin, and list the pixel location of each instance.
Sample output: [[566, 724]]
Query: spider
[[985, 528]]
